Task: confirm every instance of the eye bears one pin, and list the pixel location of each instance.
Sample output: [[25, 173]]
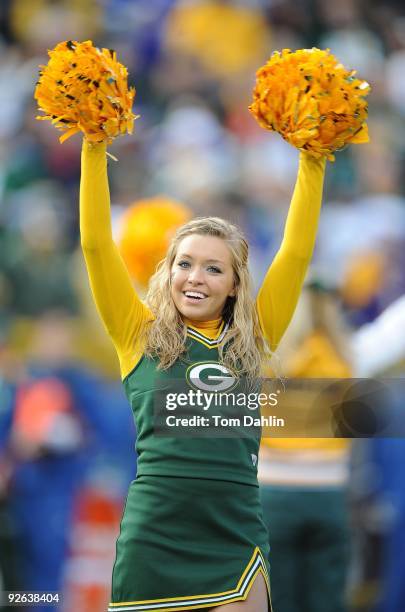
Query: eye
[[183, 264], [214, 269]]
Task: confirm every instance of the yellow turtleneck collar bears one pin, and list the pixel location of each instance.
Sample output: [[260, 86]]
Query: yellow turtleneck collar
[[211, 329]]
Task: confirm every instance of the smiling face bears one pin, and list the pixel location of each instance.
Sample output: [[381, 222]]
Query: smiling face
[[202, 277]]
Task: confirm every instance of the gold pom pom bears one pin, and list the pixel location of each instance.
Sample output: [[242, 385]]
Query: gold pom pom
[[83, 88], [312, 100], [147, 228]]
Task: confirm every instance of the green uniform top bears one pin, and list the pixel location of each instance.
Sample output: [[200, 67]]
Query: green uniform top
[[223, 453], [125, 316]]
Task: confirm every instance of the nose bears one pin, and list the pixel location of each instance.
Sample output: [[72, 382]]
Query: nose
[[195, 276]]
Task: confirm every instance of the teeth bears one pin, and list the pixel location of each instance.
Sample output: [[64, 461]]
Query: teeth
[[194, 294]]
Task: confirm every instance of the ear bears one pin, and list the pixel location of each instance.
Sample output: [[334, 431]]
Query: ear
[[232, 292]]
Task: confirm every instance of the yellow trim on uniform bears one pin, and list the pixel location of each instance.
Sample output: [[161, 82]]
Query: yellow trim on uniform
[[209, 346], [142, 606], [196, 334]]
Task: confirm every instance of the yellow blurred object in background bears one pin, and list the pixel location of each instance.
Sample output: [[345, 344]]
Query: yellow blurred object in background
[[223, 38], [40, 24], [364, 279], [147, 228]]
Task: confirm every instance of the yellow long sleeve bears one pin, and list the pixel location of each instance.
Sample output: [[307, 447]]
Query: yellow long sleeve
[[279, 293], [123, 313]]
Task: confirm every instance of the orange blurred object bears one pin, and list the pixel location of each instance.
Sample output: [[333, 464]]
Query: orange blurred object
[[96, 519], [37, 406], [147, 228]]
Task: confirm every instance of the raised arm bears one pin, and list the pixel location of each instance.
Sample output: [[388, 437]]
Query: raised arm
[[279, 293], [120, 308]]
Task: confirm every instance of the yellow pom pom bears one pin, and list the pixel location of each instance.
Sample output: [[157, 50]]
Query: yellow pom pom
[[312, 100], [147, 228], [83, 88]]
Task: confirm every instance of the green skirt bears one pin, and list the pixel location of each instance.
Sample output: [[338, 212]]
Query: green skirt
[[186, 544]]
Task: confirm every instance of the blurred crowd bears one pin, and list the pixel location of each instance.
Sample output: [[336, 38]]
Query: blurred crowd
[[66, 437]]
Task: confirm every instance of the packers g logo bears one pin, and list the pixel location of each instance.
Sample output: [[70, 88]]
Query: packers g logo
[[210, 376]]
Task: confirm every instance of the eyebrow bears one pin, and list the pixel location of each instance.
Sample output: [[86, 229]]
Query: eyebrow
[[218, 261]]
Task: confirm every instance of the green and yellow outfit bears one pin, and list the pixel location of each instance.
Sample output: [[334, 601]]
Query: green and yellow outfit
[[192, 534]]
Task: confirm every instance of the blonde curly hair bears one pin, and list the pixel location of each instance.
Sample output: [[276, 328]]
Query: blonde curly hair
[[244, 348]]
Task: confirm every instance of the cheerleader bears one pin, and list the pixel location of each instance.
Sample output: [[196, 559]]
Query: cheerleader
[[192, 535]]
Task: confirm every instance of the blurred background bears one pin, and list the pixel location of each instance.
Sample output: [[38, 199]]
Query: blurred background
[[66, 432]]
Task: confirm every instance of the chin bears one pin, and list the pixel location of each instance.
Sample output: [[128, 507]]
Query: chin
[[192, 313], [195, 314]]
